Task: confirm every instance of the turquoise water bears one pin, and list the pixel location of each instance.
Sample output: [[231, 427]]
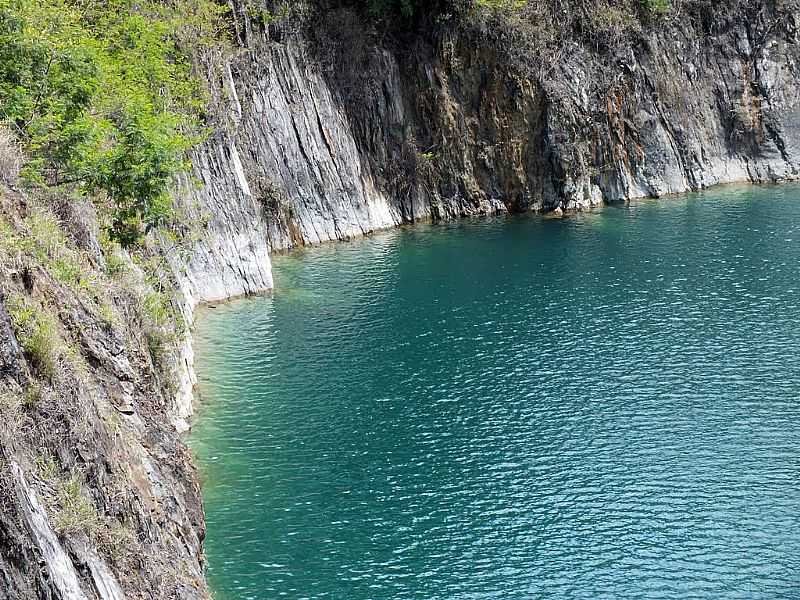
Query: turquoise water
[[604, 406]]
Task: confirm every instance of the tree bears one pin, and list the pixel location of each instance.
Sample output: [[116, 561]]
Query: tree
[[102, 97]]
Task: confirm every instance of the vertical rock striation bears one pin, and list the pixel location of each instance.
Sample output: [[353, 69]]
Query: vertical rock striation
[[327, 142], [333, 142]]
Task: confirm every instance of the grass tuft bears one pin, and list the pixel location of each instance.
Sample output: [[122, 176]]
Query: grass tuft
[[76, 514], [37, 334]]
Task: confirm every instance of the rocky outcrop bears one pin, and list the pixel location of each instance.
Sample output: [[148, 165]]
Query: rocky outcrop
[[679, 110], [333, 141], [98, 495]]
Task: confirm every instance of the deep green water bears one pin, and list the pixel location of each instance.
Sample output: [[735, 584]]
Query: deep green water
[[604, 406]]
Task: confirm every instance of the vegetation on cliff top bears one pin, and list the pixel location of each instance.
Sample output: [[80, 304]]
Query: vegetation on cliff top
[[390, 9], [102, 98], [600, 23]]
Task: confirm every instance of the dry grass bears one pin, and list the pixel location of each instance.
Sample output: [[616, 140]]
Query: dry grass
[[13, 418], [37, 334], [11, 157], [76, 513]]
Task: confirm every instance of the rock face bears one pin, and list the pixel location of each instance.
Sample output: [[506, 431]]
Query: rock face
[[333, 141], [98, 495]]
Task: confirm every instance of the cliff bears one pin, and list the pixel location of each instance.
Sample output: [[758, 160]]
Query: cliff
[[328, 130], [98, 495], [340, 135], [333, 134]]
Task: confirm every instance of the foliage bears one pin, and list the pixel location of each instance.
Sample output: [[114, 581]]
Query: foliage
[[599, 11], [656, 8], [503, 4], [157, 308], [46, 466], [542, 25], [102, 96], [405, 12]]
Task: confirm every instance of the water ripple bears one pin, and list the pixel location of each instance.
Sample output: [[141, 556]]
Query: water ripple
[[598, 407]]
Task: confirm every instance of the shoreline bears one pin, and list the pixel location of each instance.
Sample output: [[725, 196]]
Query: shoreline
[[187, 347]]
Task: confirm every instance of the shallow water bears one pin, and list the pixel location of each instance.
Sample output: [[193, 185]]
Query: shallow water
[[599, 406]]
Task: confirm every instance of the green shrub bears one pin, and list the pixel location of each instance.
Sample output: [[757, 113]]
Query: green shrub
[[41, 345], [404, 12], [657, 8], [46, 466], [156, 308], [503, 4], [67, 271], [115, 265]]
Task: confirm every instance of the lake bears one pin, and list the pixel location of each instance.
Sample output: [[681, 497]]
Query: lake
[[600, 406]]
